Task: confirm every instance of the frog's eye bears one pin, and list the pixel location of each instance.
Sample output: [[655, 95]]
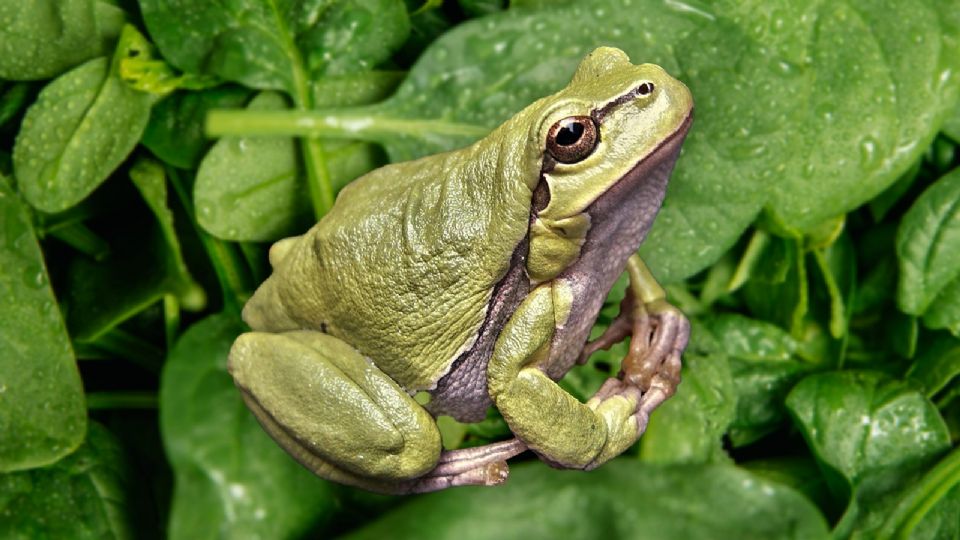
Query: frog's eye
[[572, 139], [645, 89]]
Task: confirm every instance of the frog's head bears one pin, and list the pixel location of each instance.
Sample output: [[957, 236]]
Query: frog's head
[[612, 117], [605, 146]]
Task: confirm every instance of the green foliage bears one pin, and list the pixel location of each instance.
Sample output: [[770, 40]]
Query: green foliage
[[85, 495], [623, 500], [42, 416], [43, 38], [810, 232]]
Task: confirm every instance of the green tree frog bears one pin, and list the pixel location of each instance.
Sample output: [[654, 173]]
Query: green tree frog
[[475, 276]]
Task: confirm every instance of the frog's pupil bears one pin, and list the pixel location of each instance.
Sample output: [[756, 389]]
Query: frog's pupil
[[569, 133]]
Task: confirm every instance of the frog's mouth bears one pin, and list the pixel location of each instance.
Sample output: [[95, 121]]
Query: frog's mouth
[[665, 154]]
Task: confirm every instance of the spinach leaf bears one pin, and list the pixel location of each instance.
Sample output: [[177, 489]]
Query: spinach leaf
[[928, 245], [764, 367], [145, 262], [82, 496], [83, 125], [623, 499], [280, 46], [250, 189], [937, 364], [175, 131], [43, 38], [872, 435], [42, 411]]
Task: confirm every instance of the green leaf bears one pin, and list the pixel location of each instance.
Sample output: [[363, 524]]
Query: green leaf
[[251, 188], [85, 495], [928, 245], [800, 473], [874, 431], [148, 176], [354, 88], [280, 47], [622, 499], [12, 100], [937, 364], [145, 262], [838, 269], [778, 288], [689, 427], [42, 412], [764, 367], [175, 132], [272, 46], [83, 125], [861, 422], [951, 125], [931, 505], [43, 38], [231, 478], [944, 312], [860, 123]]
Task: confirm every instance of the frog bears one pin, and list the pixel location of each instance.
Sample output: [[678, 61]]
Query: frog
[[471, 279]]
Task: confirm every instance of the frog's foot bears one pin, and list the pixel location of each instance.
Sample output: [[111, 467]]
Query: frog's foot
[[480, 466], [658, 335]]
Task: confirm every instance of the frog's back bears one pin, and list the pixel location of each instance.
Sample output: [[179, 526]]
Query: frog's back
[[404, 266]]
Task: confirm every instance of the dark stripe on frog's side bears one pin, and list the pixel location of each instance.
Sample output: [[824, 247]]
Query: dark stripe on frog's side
[[462, 392]]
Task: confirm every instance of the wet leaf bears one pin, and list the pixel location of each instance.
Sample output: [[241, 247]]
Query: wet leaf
[[175, 131], [622, 499], [764, 367], [252, 188], [83, 125], [42, 411], [875, 432], [85, 495], [276, 47], [43, 38], [928, 245]]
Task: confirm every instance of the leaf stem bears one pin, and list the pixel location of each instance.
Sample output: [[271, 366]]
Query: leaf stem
[[331, 124], [171, 319], [122, 400], [318, 177], [82, 239], [131, 347], [924, 495]]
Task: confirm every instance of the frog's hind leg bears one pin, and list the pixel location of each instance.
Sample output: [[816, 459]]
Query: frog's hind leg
[[343, 418]]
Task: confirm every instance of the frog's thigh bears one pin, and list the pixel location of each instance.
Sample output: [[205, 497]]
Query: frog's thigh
[[549, 420], [327, 404]]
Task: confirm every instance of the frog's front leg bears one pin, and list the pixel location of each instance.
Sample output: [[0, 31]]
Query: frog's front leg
[[347, 421], [553, 423]]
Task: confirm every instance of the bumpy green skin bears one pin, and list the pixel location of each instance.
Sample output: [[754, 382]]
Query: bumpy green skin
[[431, 236], [378, 299]]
